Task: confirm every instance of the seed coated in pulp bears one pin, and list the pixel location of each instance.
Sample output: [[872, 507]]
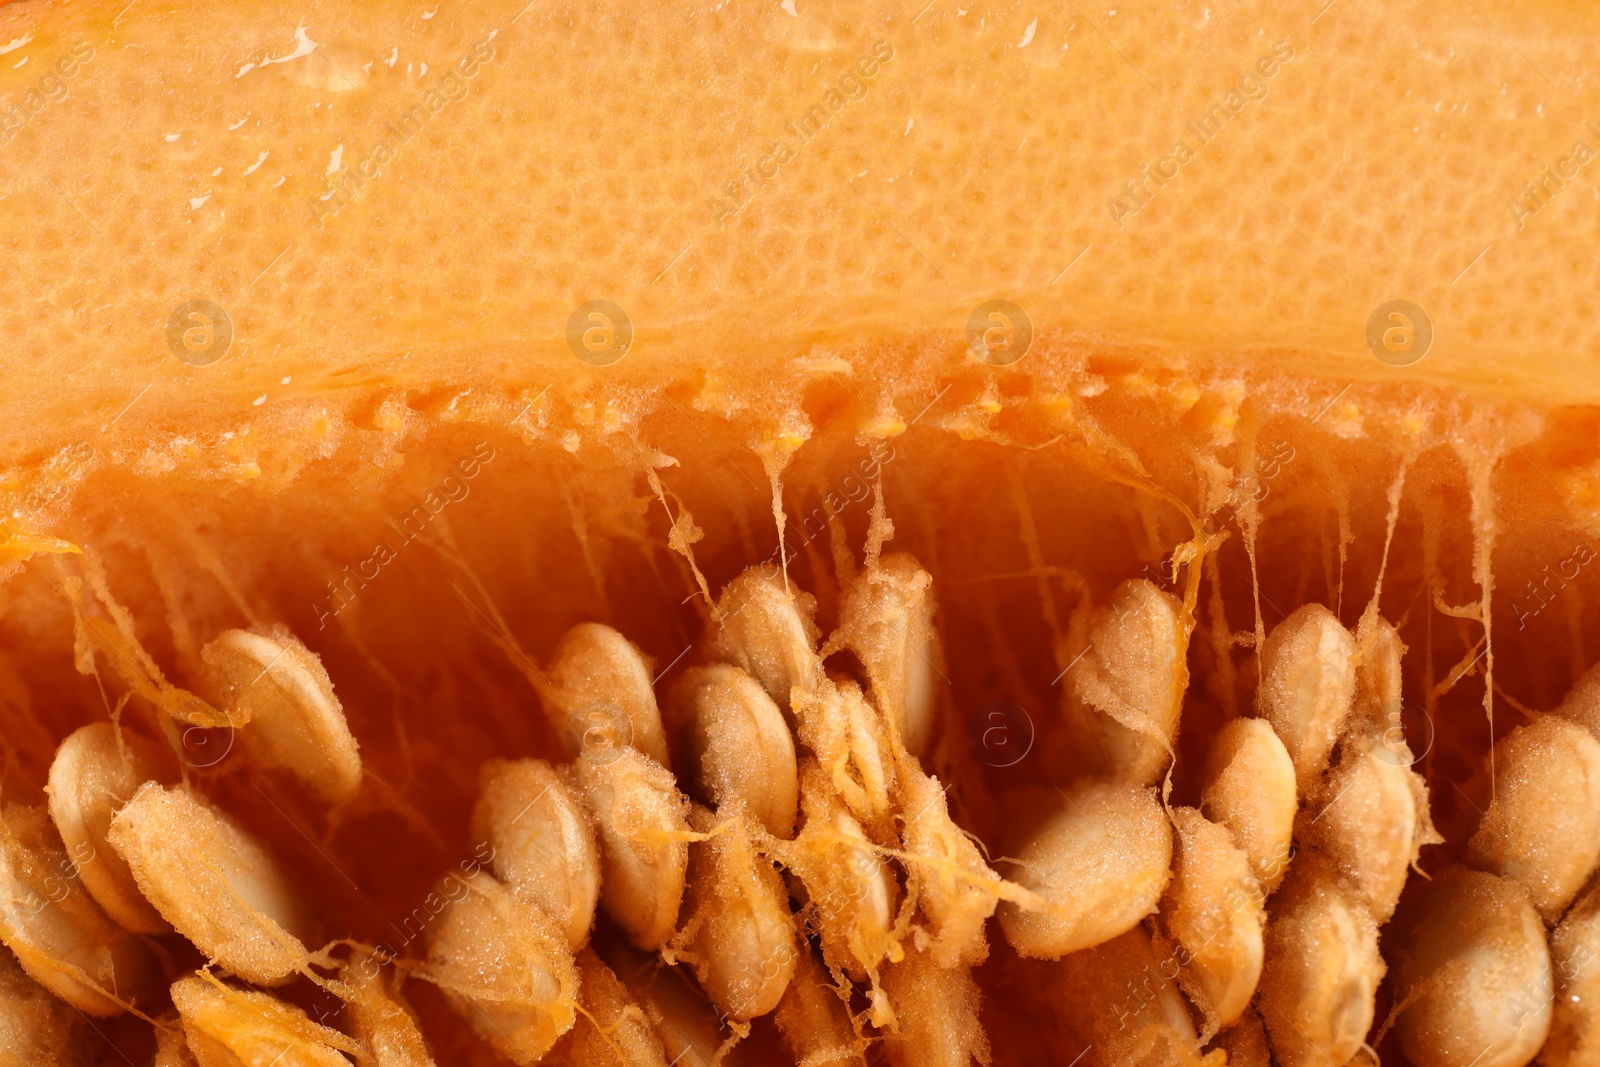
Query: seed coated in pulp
[[295, 723], [214, 883], [1214, 912], [644, 834], [1476, 972], [226, 1026], [599, 693], [543, 843], [1307, 687], [1133, 675], [1543, 829], [62, 938], [1322, 968], [1250, 789], [95, 772], [1099, 866], [736, 747], [505, 967]]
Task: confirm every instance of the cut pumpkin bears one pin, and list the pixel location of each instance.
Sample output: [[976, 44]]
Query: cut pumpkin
[[988, 384]]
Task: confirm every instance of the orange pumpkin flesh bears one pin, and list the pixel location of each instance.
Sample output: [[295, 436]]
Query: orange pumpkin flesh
[[401, 457]]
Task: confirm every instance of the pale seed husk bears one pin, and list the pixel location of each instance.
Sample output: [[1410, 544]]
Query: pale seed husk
[[543, 843], [1308, 683], [734, 745], [849, 741], [1120, 1002], [37, 1028], [850, 891], [94, 773], [1363, 817], [231, 1027], [887, 620], [1322, 968], [1543, 828], [1473, 970], [293, 721], [1575, 962], [765, 628], [62, 938], [379, 1017], [955, 889], [613, 1030], [1098, 867], [1213, 916], [1250, 788], [599, 694], [738, 932], [813, 1018], [644, 833], [213, 882], [504, 966], [1133, 677]]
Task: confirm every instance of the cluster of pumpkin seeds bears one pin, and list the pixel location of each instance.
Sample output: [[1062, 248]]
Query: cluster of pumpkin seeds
[[765, 839]]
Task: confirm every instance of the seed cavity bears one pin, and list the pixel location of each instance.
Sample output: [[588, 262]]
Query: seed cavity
[[819, 875]]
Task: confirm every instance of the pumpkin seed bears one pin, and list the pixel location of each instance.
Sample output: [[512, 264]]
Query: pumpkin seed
[[60, 935], [736, 746], [213, 882], [295, 722], [543, 844], [1098, 867], [504, 966], [95, 772]]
